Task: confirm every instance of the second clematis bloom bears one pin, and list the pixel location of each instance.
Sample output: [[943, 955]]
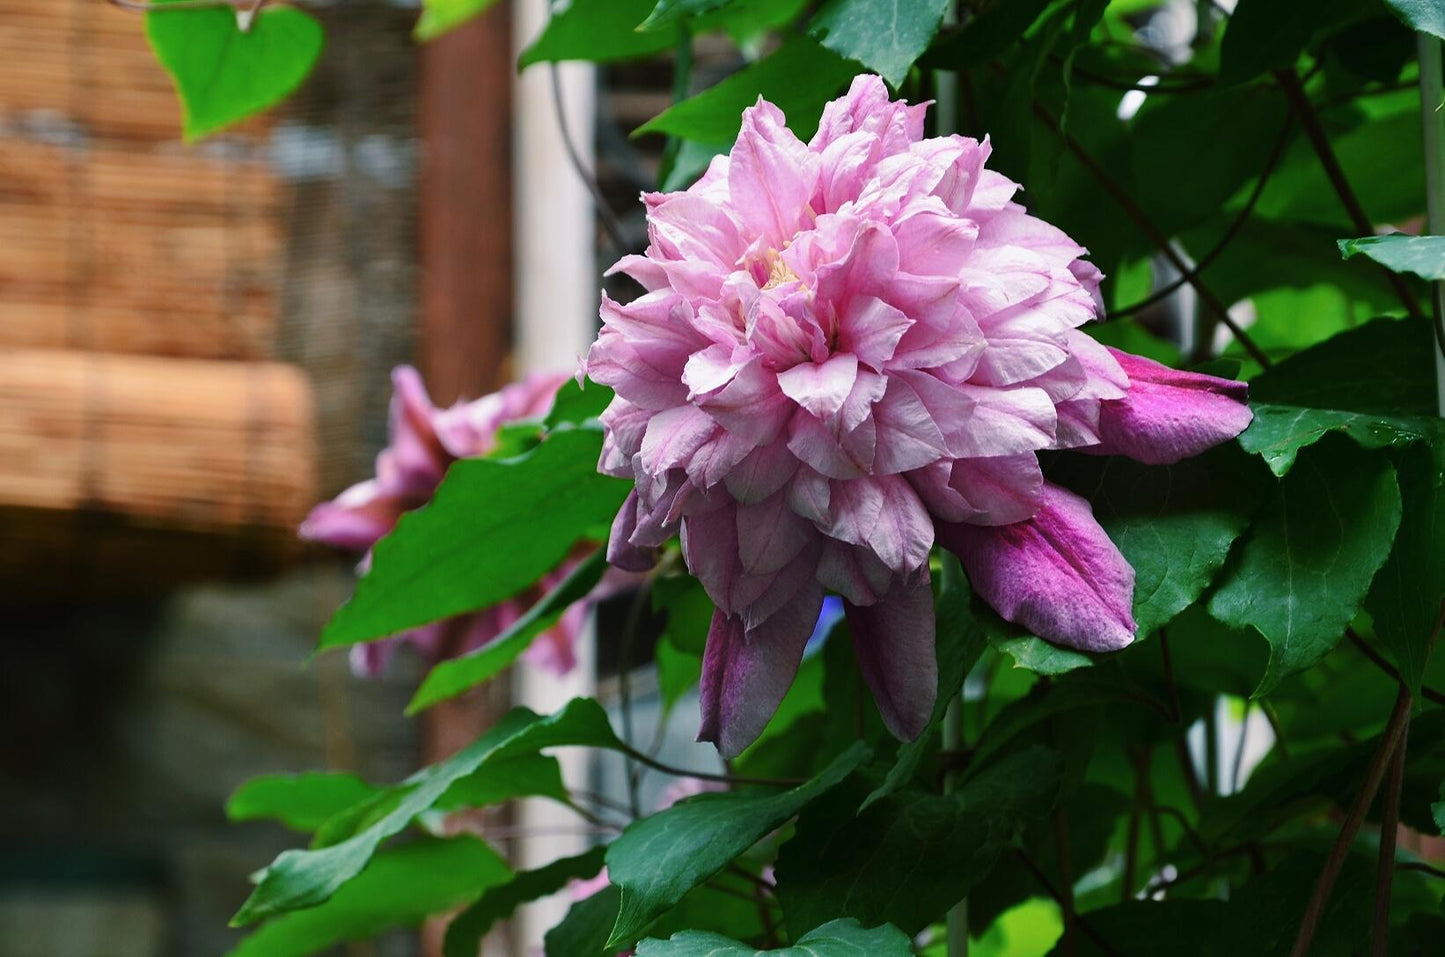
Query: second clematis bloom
[[846, 350], [424, 442]]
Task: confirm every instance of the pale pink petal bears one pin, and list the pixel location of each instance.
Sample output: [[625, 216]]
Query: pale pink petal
[[893, 640], [771, 176], [986, 491], [1057, 574], [821, 388], [762, 472], [770, 535]]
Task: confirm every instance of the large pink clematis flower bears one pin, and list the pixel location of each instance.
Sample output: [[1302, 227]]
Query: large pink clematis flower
[[426, 440], [847, 349]]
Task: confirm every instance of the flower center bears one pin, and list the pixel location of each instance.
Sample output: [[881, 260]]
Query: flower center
[[779, 273]]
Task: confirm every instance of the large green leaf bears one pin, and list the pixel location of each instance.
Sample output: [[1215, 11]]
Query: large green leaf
[[1265, 35], [1422, 255], [439, 16], [466, 931], [960, 643], [600, 31], [799, 77], [1175, 524], [658, 859], [302, 802], [299, 879], [989, 32], [1310, 558], [399, 888], [1375, 384], [1427, 16], [224, 74], [493, 528], [455, 676], [837, 938], [913, 854], [666, 12], [1174, 140], [1406, 597], [886, 36], [583, 932]]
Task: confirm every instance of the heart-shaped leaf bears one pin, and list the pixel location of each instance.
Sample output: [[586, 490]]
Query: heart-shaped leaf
[[224, 74]]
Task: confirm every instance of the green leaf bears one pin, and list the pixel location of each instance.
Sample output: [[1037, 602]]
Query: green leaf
[[1174, 524], [1174, 141], [223, 75], [299, 879], [799, 77], [600, 31], [668, 12], [399, 888], [886, 36], [1082, 692], [1405, 600], [1028, 652], [658, 859], [1305, 568], [1438, 810], [531, 775], [988, 33], [577, 403], [455, 676], [302, 802], [910, 856], [960, 643], [837, 938], [466, 931], [493, 528], [679, 650], [440, 16], [1375, 384], [1422, 255], [1427, 16], [1264, 35], [583, 932]]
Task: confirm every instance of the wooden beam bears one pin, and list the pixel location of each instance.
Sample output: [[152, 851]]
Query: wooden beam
[[466, 207]]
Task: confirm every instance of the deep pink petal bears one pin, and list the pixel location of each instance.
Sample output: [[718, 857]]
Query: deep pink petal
[[1057, 574], [893, 640], [745, 673], [1170, 414]]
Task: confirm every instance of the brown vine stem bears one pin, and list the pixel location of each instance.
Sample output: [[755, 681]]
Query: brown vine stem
[[656, 765], [1161, 242], [1294, 91], [1378, 660], [1389, 831], [1164, 292], [1076, 920], [1389, 741]]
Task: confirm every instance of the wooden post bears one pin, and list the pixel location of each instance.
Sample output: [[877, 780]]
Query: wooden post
[[466, 207], [465, 119]]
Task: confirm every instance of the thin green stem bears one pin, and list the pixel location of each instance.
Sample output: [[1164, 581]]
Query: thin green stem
[[1431, 100], [1389, 832]]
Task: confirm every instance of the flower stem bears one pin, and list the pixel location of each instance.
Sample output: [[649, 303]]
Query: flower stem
[[1431, 100]]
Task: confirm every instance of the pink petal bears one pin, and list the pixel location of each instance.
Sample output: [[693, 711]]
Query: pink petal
[[821, 388], [674, 436], [893, 641], [745, 673], [762, 472], [621, 551], [1169, 414], [854, 572], [990, 491], [771, 175], [355, 520], [770, 535], [1056, 574], [886, 515]]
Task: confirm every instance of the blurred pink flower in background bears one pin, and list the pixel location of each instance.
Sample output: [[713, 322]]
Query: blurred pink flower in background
[[850, 347], [424, 442]]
